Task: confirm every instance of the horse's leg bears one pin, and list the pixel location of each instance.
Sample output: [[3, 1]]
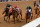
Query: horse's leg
[[17, 17], [9, 16], [21, 16], [34, 5], [37, 14], [14, 19], [36, 11], [31, 17], [26, 19], [4, 18], [28, 16]]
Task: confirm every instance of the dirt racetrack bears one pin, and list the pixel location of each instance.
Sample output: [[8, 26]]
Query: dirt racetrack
[[22, 5]]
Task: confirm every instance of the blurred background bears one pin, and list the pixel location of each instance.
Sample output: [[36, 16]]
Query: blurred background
[[14, 0], [18, 0]]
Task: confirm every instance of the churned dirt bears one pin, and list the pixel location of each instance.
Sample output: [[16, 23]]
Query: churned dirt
[[22, 5]]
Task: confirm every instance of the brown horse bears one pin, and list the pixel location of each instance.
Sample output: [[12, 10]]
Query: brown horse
[[27, 17], [6, 11], [19, 13], [37, 11], [15, 13]]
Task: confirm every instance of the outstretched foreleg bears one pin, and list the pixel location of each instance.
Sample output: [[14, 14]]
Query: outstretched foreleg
[[4, 18]]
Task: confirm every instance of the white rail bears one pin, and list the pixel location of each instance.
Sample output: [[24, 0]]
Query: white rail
[[34, 23]]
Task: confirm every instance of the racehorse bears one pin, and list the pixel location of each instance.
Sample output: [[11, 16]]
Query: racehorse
[[19, 13], [8, 14], [27, 16], [14, 13], [37, 11], [6, 11]]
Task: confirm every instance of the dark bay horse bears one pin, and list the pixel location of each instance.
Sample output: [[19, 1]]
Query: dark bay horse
[[6, 11], [36, 10], [28, 17], [14, 13]]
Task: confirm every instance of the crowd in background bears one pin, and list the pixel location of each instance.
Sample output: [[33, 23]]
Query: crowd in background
[[13, 0]]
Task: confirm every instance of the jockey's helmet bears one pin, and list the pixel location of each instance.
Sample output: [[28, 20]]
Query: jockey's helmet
[[15, 6], [28, 6]]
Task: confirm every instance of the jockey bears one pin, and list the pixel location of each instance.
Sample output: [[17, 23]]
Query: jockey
[[29, 9], [8, 5], [38, 5], [17, 8], [6, 10], [10, 10]]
